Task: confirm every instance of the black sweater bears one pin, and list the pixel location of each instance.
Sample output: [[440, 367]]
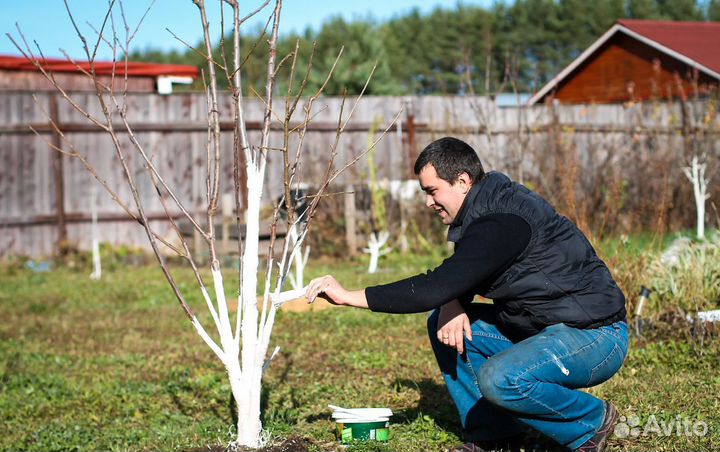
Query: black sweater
[[487, 249]]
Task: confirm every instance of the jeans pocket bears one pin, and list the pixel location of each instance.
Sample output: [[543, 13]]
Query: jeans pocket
[[607, 367]]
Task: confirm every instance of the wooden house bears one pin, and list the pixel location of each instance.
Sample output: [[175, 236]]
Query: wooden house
[[639, 60]]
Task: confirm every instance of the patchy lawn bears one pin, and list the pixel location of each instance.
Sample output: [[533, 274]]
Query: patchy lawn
[[114, 365]]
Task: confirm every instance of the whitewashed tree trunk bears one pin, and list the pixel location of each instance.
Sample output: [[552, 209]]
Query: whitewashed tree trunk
[[242, 348], [300, 260], [375, 248], [696, 175]]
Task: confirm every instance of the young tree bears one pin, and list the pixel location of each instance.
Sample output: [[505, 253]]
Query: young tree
[[698, 116], [376, 248], [242, 345], [695, 172]]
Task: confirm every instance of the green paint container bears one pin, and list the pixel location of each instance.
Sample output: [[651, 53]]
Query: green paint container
[[349, 430]]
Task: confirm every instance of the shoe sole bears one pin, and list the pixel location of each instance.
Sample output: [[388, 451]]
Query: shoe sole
[[608, 424]]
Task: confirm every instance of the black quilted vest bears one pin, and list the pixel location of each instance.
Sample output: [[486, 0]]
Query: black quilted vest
[[557, 279]]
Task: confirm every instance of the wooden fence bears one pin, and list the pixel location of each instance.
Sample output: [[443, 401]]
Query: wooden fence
[[45, 198]]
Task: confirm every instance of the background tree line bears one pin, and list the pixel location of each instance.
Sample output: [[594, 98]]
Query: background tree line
[[466, 49]]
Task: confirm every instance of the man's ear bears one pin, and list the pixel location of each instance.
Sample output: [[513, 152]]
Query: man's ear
[[464, 181]]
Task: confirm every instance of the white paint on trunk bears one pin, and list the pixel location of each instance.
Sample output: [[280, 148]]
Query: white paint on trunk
[[270, 359], [284, 297], [248, 399], [208, 340], [211, 307], [226, 337], [299, 258]]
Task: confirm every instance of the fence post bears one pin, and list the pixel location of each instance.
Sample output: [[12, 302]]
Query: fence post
[[410, 138], [350, 217], [58, 176], [227, 215]]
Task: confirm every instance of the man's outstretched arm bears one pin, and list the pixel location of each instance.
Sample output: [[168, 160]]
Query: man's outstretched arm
[[489, 246]]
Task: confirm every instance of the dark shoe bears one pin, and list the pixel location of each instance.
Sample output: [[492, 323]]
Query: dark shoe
[[506, 445], [599, 440]]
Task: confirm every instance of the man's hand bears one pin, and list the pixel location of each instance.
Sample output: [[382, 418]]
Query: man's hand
[[325, 287], [328, 288], [452, 324]]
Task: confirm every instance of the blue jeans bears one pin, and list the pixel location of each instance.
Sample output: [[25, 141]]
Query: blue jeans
[[501, 387]]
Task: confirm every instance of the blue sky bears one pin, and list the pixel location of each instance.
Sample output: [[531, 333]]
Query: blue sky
[[47, 22]]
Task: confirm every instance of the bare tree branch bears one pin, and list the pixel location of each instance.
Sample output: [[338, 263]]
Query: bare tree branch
[[205, 57], [49, 76]]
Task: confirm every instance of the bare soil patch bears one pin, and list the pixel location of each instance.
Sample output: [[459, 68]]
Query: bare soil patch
[[292, 444]]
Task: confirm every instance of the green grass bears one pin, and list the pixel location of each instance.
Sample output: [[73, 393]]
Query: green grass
[[114, 365]]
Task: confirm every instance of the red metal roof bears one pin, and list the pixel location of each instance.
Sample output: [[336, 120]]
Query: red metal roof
[[134, 69], [699, 41]]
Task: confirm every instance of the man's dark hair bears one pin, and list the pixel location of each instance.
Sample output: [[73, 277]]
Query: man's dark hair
[[450, 157]]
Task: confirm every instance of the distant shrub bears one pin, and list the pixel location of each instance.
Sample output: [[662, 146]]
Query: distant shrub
[[688, 278]]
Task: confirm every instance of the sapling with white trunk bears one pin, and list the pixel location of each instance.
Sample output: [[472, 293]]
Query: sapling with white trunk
[[376, 248], [695, 173], [241, 343]]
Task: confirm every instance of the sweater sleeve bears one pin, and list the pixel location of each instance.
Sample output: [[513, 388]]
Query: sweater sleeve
[[487, 249]]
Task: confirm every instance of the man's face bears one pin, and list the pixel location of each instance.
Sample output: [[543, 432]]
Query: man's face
[[440, 195]]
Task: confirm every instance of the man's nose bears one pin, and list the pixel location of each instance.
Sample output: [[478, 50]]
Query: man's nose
[[429, 201]]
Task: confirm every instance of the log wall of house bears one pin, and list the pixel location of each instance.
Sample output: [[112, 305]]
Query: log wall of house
[[625, 69]]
